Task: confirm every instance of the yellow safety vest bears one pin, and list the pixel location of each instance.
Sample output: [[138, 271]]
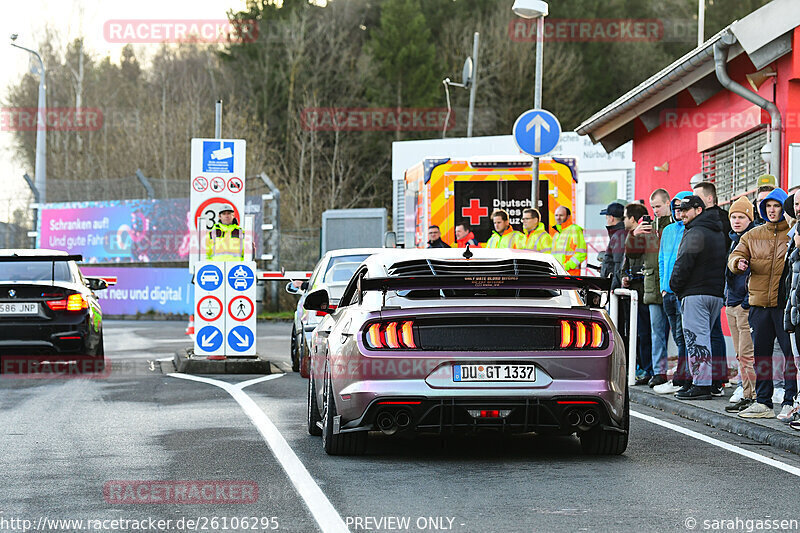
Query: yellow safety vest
[[569, 247], [225, 243], [537, 240], [509, 239]]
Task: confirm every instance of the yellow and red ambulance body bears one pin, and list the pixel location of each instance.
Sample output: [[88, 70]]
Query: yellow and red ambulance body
[[445, 192]]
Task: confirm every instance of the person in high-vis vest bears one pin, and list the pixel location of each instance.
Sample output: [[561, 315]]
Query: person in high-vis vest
[[534, 235], [569, 246], [503, 236], [225, 241]]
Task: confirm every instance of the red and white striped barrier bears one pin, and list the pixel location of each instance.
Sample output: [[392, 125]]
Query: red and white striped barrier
[[287, 275]]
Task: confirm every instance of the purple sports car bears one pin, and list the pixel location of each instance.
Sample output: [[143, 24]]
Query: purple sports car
[[442, 341]]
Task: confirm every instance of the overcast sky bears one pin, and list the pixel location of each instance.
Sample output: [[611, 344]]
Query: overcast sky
[[71, 19]]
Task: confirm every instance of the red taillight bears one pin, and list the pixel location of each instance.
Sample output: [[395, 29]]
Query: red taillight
[[74, 302], [566, 334], [399, 403], [597, 335], [391, 335], [374, 339], [580, 334], [407, 334], [394, 335], [57, 305], [490, 414], [575, 402]]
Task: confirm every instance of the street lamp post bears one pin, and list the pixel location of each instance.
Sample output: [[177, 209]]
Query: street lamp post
[[40, 170], [535, 9]]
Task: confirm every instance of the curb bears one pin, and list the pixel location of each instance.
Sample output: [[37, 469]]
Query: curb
[[743, 428], [186, 365]]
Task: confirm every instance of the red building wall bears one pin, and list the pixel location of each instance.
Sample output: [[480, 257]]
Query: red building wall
[[675, 142]]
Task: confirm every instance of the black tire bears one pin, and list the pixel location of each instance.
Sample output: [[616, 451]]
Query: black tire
[[605, 442], [295, 355], [343, 443], [313, 410]]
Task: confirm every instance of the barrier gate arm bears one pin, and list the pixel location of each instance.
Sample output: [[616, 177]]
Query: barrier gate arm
[[282, 275], [632, 328]]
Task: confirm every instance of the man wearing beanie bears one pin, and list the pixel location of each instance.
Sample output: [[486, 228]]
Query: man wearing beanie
[[737, 307], [763, 250]]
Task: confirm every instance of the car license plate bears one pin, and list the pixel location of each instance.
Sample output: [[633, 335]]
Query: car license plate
[[19, 308], [463, 373]]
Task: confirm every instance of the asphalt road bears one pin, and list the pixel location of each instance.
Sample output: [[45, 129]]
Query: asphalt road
[[83, 449]]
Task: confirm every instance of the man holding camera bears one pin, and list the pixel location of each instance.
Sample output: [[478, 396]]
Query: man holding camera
[[633, 278]]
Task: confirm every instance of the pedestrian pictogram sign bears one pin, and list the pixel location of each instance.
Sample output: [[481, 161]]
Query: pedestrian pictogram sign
[[200, 184], [240, 308], [209, 308], [241, 339], [209, 338]]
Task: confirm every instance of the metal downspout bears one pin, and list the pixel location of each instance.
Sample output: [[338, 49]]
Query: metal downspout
[[720, 63]]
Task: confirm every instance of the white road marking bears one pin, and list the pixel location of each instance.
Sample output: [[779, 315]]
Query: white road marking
[[318, 504], [724, 445]]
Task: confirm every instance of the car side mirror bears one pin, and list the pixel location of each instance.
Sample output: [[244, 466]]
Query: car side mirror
[[595, 299], [601, 257], [96, 284], [390, 239], [318, 300], [291, 289]]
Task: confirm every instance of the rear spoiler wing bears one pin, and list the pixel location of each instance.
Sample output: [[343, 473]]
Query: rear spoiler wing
[[575, 283], [593, 290]]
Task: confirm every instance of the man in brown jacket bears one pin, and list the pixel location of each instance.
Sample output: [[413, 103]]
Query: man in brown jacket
[[763, 249]]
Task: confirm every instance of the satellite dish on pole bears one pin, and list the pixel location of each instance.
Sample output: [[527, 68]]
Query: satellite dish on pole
[[466, 73]]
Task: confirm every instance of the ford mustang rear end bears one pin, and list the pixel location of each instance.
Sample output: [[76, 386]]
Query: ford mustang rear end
[[435, 342]]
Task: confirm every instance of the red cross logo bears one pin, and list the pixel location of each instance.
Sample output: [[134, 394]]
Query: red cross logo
[[474, 212]]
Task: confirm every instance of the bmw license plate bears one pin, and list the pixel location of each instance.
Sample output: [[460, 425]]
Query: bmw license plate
[[19, 308], [501, 372]]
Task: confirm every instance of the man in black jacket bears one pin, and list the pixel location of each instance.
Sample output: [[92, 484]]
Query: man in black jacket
[[615, 252], [707, 192], [435, 238], [698, 280]]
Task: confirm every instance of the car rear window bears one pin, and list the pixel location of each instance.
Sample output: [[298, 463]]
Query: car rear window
[[343, 272], [35, 271]]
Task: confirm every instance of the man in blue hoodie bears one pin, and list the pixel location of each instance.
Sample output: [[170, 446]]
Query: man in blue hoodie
[[667, 254]]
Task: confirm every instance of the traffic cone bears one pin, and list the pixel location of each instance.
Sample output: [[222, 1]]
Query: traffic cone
[[190, 327]]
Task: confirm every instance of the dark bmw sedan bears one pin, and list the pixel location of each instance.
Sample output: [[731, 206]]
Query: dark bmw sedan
[[48, 308]]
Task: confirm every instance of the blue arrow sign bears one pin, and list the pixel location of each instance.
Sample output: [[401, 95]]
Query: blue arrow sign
[[241, 277], [537, 132], [240, 338], [209, 338], [209, 277]]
